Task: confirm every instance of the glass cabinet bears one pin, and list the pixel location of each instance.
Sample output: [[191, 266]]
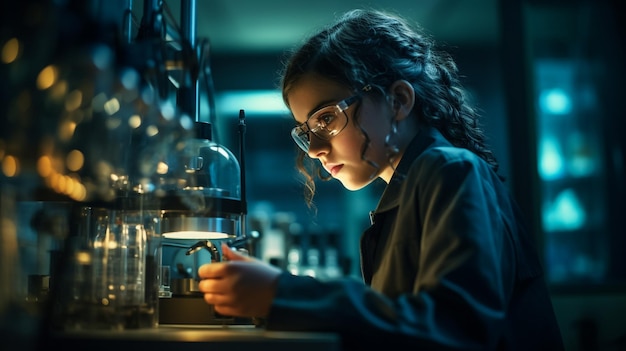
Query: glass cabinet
[[567, 135]]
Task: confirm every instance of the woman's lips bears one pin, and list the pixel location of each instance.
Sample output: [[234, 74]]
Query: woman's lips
[[335, 169]]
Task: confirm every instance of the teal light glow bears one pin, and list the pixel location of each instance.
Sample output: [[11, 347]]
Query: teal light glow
[[551, 163], [566, 212], [555, 101], [254, 102]]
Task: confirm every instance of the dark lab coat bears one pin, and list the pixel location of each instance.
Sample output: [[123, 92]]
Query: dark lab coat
[[447, 265]]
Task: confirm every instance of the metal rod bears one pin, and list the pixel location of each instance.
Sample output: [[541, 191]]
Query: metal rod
[[128, 21], [242, 170], [188, 20], [189, 96], [242, 159]]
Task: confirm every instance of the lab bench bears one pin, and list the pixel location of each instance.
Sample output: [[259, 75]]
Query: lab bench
[[195, 337]]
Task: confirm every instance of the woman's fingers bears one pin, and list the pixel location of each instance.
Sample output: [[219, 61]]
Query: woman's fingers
[[232, 255], [239, 287], [213, 286], [214, 270], [218, 299]]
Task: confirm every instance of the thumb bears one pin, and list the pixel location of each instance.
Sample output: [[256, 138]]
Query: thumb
[[232, 255]]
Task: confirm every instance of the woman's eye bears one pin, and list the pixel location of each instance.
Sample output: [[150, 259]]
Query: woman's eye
[[325, 119]]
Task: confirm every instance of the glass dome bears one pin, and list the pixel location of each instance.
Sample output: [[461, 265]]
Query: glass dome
[[213, 170], [206, 202]]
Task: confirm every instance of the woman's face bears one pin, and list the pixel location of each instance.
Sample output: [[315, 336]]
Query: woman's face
[[341, 155]]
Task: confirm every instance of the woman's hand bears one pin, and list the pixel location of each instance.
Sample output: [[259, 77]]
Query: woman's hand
[[241, 287]]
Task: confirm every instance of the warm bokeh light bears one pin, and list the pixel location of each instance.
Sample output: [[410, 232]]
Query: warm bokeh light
[[61, 185], [44, 166], [10, 50], [59, 90], [152, 131], [55, 180], [83, 258], [75, 160], [162, 168], [73, 100], [66, 130], [69, 185], [134, 121], [80, 194], [47, 77], [10, 166]]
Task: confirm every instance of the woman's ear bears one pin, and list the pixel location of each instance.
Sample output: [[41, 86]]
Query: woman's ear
[[403, 98]]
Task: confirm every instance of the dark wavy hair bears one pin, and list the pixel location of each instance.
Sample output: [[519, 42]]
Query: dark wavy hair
[[378, 48]]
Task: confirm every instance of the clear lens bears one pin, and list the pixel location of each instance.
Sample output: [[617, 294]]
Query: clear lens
[[301, 138], [325, 124]]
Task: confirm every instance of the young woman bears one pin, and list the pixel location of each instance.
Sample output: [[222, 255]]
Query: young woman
[[447, 263]]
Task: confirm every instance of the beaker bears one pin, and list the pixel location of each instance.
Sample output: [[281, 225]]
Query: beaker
[[112, 283]]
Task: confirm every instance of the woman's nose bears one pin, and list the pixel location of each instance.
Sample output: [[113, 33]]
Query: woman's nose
[[318, 147]]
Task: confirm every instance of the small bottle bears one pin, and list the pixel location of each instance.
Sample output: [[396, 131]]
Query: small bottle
[[332, 268], [312, 257], [294, 254]]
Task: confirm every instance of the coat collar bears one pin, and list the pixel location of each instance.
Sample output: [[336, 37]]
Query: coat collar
[[427, 137]]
